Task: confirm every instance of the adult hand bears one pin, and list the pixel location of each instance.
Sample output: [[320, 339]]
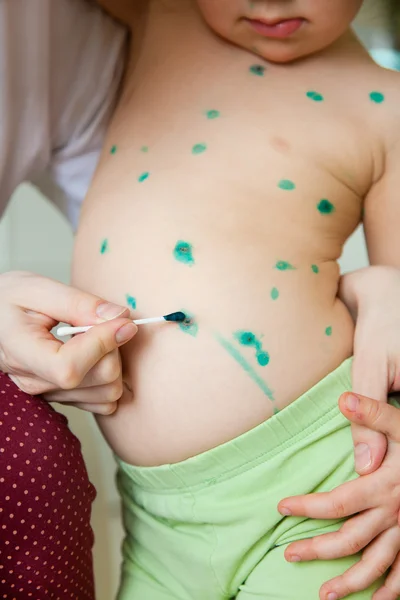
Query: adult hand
[[86, 370], [374, 499]]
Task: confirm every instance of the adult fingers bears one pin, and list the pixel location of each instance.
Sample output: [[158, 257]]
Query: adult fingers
[[102, 394], [66, 365], [352, 537], [106, 371], [375, 562], [347, 499], [375, 415], [61, 302], [97, 409]]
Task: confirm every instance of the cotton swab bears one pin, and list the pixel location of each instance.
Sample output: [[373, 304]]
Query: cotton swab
[[176, 317]]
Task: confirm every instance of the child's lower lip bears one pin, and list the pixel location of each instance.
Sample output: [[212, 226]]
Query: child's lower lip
[[282, 29]]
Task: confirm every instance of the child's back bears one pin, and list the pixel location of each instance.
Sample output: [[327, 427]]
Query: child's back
[[235, 183]]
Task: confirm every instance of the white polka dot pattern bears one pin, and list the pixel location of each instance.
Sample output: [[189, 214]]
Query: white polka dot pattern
[[45, 503]]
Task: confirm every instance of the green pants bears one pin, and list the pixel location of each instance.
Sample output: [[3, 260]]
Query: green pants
[[208, 528]]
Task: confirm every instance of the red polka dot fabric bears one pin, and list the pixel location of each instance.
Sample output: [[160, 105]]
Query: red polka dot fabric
[[46, 497]]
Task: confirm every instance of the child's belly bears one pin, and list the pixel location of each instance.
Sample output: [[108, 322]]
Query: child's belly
[[262, 292]]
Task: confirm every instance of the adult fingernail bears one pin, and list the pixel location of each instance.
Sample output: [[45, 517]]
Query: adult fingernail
[[125, 333], [108, 311], [362, 455], [352, 402], [332, 596]]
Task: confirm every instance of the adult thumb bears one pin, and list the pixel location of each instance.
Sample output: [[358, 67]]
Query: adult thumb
[[369, 378]]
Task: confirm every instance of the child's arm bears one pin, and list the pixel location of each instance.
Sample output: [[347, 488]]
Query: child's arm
[[373, 296]]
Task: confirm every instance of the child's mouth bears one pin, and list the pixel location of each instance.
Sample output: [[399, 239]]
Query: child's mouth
[[276, 29]]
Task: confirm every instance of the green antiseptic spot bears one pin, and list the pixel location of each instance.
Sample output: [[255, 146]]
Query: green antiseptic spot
[[183, 252], [283, 265], [246, 338], [276, 410], [144, 149], [315, 268], [263, 358], [315, 96], [212, 114], [328, 331], [325, 207], [236, 355], [104, 247], [377, 97], [286, 184], [258, 70], [143, 176], [199, 148], [113, 149], [131, 301], [274, 293], [189, 325]]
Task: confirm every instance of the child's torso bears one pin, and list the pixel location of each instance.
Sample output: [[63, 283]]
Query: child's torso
[[227, 190]]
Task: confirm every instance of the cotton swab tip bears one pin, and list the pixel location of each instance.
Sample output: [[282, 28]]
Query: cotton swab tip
[[177, 317]]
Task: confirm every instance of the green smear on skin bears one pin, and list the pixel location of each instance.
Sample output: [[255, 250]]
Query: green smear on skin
[[328, 331], [143, 176], [144, 149], [189, 325], [282, 265], [183, 252], [286, 184], [377, 97], [314, 268], [325, 207], [247, 338], [199, 148], [212, 114], [131, 301], [315, 96], [236, 355], [113, 149], [274, 293], [258, 70], [104, 247]]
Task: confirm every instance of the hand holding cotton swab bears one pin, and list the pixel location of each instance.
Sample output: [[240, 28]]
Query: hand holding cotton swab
[[176, 317]]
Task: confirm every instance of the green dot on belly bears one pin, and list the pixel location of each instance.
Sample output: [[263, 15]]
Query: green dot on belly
[[263, 358], [144, 149], [283, 265], [328, 331], [286, 184], [183, 252], [315, 268], [325, 207], [312, 95], [199, 148], [274, 293], [212, 114], [143, 176], [246, 338], [113, 149], [131, 301], [258, 70], [377, 97], [189, 325], [104, 247]]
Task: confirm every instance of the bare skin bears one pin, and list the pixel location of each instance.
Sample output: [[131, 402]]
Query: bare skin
[[185, 394]]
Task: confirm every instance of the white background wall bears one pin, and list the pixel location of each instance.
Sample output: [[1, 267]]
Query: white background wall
[[35, 237]]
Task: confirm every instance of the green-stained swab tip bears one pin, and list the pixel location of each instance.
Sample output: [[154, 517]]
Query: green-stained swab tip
[[176, 317]]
